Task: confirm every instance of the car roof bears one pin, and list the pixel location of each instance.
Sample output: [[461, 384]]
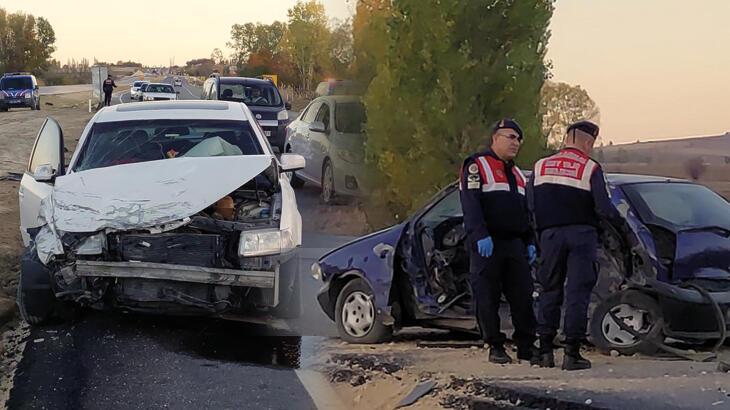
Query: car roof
[[191, 109], [341, 98], [244, 80], [159, 84], [624, 179]]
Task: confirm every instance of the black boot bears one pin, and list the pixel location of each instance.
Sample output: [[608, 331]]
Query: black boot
[[528, 353], [573, 360], [498, 355], [547, 358]]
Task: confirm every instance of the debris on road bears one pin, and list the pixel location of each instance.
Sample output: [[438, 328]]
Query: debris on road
[[451, 345], [417, 392], [11, 176]]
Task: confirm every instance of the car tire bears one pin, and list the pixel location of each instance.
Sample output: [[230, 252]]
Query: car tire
[[639, 311], [356, 316], [3, 110], [328, 183], [290, 298], [35, 299]]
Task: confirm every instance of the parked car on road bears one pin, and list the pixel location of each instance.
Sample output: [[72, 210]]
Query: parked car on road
[[671, 277], [329, 135], [135, 93], [165, 207], [159, 92], [261, 96], [19, 90]]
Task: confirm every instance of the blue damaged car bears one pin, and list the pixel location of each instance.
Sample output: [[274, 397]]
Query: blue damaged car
[[670, 278]]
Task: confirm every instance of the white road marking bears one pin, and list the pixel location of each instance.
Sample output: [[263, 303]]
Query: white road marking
[[323, 395]]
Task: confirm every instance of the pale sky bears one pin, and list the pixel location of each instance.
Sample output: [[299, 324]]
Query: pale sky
[[657, 69]]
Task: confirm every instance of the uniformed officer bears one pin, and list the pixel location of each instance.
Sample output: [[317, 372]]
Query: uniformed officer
[[108, 87], [568, 196], [500, 241]]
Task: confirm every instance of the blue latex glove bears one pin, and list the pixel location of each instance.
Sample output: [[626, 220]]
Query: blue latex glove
[[531, 254], [485, 247]]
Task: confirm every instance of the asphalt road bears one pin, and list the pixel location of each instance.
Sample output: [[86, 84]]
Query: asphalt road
[[129, 361]]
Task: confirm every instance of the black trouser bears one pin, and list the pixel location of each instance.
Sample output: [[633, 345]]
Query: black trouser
[[508, 272], [107, 98], [567, 252]]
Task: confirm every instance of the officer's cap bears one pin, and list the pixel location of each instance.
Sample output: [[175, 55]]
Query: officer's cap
[[507, 123], [585, 126]]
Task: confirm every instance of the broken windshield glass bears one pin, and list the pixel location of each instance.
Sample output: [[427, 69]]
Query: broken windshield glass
[[126, 142]]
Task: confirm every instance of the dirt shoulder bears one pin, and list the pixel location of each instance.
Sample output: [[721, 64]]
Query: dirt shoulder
[[380, 376]]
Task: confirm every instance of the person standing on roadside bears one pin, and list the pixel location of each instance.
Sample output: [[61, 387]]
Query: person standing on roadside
[[108, 87], [500, 241], [568, 197]]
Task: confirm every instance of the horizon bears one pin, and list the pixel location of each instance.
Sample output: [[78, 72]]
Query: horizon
[[659, 75]]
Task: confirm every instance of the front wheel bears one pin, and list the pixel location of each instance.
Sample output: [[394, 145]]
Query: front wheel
[[356, 316], [637, 311], [328, 184], [36, 302]]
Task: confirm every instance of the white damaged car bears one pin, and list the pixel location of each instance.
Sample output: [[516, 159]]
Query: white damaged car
[[165, 207]]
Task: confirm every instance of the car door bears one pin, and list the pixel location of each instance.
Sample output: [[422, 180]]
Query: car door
[[304, 138], [318, 142], [37, 181]]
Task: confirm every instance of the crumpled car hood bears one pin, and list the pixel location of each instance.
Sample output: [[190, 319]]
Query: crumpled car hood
[[145, 194]]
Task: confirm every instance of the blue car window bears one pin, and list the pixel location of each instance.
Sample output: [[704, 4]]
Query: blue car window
[[679, 205], [448, 207]]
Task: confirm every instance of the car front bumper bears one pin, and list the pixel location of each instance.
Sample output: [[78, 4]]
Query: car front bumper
[[349, 179], [17, 103]]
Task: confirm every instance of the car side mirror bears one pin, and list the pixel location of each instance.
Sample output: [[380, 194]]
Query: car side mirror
[[317, 126], [44, 173], [291, 162], [287, 105], [177, 92]]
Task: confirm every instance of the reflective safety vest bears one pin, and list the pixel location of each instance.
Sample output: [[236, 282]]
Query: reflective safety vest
[[494, 177], [563, 185]]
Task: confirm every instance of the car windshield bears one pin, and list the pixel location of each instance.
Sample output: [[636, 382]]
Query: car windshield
[[138, 83], [679, 205], [349, 117], [143, 87], [251, 94], [125, 142], [160, 88], [16, 83]]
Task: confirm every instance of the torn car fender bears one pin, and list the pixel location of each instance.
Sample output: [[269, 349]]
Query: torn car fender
[[370, 257]]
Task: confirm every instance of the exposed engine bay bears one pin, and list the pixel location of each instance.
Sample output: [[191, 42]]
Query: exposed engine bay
[[197, 265], [447, 263]]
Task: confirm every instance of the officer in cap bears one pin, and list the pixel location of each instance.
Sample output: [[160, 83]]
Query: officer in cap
[[500, 241], [568, 197]]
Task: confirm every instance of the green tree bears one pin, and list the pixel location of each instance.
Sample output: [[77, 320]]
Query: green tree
[[448, 73], [217, 56], [306, 40], [370, 38], [562, 104], [26, 42], [341, 49]]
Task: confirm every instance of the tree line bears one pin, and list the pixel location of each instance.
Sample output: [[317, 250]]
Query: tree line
[[26, 42]]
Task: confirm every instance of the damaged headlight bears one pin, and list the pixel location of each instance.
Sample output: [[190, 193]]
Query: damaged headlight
[[92, 245], [260, 243], [316, 271]]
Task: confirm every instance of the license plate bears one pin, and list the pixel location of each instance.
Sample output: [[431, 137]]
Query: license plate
[[14, 102], [267, 133]]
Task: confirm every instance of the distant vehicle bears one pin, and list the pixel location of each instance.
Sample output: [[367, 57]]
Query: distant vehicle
[[202, 219], [135, 93], [177, 82], [261, 96], [337, 87], [159, 92], [329, 135], [19, 90]]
